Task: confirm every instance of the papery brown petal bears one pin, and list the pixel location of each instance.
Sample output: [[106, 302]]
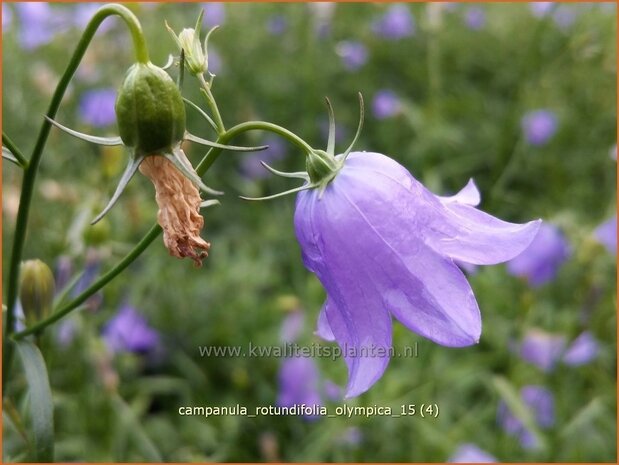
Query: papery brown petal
[[179, 209]]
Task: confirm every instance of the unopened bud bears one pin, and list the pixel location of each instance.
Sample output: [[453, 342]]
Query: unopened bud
[[36, 290], [150, 110]]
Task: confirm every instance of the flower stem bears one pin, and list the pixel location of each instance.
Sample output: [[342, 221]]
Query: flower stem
[[33, 165], [9, 144], [221, 129]]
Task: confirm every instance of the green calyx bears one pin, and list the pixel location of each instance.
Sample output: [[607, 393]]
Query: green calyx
[[149, 110], [322, 165]]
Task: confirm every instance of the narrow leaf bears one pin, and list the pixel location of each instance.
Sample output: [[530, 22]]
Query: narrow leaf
[[8, 155], [41, 406]]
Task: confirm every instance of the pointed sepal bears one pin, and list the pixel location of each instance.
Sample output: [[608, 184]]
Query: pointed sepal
[[180, 161], [208, 143], [87, 137], [304, 187], [359, 128], [132, 167], [283, 174]]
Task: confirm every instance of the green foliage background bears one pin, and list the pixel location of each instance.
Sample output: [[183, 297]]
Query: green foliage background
[[464, 92]]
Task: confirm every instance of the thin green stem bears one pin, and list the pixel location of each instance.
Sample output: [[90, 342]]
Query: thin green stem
[[206, 87], [9, 144], [30, 172]]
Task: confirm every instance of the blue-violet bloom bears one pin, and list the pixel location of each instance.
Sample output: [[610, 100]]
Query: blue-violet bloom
[[386, 104], [606, 234], [299, 383], [353, 54], [584, 349], [539, 126], [475, 18], [383, 245], [470, 453], [542, 349], [129, 331], [541, 261], [396, 23], [96, 107]]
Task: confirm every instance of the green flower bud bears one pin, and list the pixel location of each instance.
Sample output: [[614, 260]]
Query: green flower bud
[[36, 290], [149, 110], [196, 56]]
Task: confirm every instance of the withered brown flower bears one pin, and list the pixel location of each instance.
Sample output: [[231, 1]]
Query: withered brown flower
[[179, 209]]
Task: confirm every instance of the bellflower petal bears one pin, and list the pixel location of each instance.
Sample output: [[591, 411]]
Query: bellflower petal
[[371, 236], [323, 329], [468, 195]]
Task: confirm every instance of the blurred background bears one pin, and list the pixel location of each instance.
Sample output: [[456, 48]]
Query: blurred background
[[520, 97]]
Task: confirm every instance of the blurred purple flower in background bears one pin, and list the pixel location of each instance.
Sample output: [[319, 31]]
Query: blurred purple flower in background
[[475, 17], [322, 16], [90, 273], [385, 104], [215, 63], [372, 236], [7, 16], [63, 270], [277, 25], [214, 14], [470, 453], [606, 234], [584, 349], [96, 107], [539, 126], [396, 23], [299, 383], [540, 9], [564, 16], [292, 326], [251, 165], [351, 436], [83, 13], [541, 261], [542, 349], [353, 54], [38, 23], [540, 403], [333, 391], [128, 331]]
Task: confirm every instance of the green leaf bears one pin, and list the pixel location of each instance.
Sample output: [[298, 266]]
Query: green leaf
[[511, 397], [41, 406]]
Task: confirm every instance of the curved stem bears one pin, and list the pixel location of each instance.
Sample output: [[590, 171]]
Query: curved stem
[[30, 172], [9, 144], [155, 230]]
